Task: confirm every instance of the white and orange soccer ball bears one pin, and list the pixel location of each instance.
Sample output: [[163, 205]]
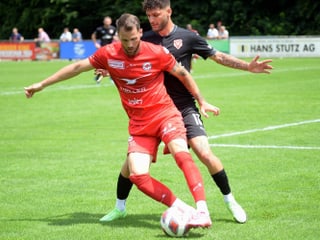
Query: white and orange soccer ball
[[174, 222]]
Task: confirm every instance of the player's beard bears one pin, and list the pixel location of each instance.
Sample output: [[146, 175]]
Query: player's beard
[[163, 24], [132, 51]]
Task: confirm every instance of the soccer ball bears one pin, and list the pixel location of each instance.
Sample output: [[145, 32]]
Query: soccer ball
[[174, 222]]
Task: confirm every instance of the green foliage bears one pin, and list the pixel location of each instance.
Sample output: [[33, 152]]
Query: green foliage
[[259, 17]]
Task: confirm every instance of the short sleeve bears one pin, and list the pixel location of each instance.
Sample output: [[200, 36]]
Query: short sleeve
[[167, 60]]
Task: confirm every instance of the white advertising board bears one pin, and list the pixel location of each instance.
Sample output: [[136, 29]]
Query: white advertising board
[[275, 46]]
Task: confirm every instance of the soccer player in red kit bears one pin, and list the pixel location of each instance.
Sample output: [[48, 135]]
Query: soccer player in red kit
[[136, 68], [183, 44]]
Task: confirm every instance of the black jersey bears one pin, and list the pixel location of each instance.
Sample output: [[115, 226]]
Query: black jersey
[[182, 43], [105, 34]]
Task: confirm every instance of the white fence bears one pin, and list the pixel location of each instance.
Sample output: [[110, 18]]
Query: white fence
[[275, 46]]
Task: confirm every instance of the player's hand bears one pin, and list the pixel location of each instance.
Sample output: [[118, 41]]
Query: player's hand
[[32, 89], [206, 107], [100, 73], [103, 72], [259, 67]]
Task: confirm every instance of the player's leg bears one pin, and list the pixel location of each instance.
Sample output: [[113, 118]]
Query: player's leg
[[198, 141], [139, 165], [124, 186], [179, 150]]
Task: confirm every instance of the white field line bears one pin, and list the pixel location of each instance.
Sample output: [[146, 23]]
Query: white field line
[[241, 73], [60, 88], [270, 128], [197, 76], [263, 129], [264, 146]]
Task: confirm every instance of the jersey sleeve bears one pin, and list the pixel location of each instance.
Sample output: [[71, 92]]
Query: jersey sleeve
[[99, 59], [201, 47], [167, 60]]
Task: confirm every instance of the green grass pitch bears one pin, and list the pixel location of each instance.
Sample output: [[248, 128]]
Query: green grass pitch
[[61, 152]]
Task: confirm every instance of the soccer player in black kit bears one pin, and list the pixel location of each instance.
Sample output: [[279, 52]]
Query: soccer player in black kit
[[102, 36], [105, 34], [183, 44]]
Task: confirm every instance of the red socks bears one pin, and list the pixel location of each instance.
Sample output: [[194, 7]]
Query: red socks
[[153, 188], [191, 174], [161, 193]]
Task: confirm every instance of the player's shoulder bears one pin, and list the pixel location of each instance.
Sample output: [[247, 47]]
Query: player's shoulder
[[184, 31], [191, 39], [155, 48], [151, 36], [112, 27], [151, 46], [148, 34], [99, 28]]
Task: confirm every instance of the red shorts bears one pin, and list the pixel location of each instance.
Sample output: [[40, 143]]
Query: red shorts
[[146, 138]]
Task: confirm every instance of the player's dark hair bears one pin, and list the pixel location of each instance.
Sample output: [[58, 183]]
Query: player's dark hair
[[153, 4], [128, 22]]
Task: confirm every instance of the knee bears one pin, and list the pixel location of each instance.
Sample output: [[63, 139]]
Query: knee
[[183, 159], [125, 171], [139, 179], [211, 161], [206, 157]]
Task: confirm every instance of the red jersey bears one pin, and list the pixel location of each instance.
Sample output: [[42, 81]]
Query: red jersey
[[139, 79]]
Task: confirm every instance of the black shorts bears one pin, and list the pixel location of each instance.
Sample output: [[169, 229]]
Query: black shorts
[[193, 123]]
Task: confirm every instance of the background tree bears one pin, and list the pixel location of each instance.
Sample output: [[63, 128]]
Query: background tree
[[241, 17]]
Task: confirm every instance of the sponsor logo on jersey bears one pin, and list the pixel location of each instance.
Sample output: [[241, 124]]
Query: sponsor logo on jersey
[[134, 80], [116, 64], [135, 101], [133, 91], [177, 43]]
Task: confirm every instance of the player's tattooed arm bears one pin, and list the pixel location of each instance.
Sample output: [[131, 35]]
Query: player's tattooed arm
[[230, 61], [185, 77], [180, 70], [255, 66]]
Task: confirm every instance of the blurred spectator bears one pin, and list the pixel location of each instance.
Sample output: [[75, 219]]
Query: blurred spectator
[[76, 36], [212, 32], [66, 36], [105, 34], [189, 27], [219, 24], [42, 37], [16, 36], [223, 33]]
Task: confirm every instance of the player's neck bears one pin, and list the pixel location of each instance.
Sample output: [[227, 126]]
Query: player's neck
[[168, 29]]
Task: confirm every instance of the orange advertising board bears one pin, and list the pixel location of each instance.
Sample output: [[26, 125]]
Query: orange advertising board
[[15, 51]]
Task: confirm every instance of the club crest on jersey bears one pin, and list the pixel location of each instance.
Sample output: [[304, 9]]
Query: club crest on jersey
[[146, 66], [177, 43]]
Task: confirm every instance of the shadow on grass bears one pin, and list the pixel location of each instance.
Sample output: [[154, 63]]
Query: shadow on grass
[[151, 221], [133, 220]]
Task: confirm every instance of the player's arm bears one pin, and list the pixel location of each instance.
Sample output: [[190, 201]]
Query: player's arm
[[254, 66], [64, 73], [94, 39], [185, 77]]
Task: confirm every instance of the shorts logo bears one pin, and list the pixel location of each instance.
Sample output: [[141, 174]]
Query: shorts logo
[[116, 64], [169, 128], [177, 43]]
